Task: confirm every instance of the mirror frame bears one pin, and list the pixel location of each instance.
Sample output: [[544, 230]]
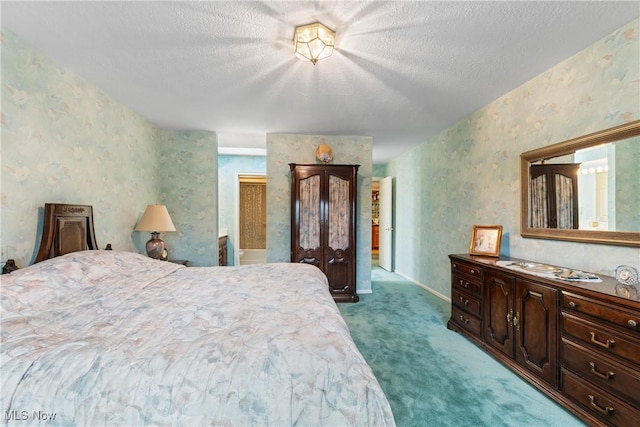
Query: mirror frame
[[621, 238]]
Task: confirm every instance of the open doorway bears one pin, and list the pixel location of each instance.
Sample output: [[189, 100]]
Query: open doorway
[[252, 219]]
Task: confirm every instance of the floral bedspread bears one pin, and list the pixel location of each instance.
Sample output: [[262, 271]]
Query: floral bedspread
[[115, 338]]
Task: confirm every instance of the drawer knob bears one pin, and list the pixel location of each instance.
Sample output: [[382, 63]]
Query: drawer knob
[[454, 265], [572, 304], [464, 301], [604, 375], [632, 323], [473, 271], [463, 320], [604, 411], [608, 344]]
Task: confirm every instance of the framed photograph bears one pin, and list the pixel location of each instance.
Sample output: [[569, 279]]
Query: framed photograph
[[486, 240]]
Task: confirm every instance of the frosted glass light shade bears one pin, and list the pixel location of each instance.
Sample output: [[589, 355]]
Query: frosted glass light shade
[[313, 42], [155, 219]]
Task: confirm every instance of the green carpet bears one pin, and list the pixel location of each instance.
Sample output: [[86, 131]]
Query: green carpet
[[433, 376]]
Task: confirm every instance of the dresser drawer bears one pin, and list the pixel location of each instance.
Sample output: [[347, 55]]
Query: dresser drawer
[[597, 401], [471, 286], [593, 367], [627, 319], [469, 269], [602, 338], [466, 302], [466, 321]]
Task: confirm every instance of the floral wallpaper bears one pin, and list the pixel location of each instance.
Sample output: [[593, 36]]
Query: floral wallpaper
[[473, 167], [379, 170], [66, 141], [229, 166], [188, 169], [283, 149]]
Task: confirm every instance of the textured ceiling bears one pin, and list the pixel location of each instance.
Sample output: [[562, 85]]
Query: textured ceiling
[[402, 71]]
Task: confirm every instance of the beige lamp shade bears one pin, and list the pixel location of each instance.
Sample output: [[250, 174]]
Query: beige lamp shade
[[155, 219]]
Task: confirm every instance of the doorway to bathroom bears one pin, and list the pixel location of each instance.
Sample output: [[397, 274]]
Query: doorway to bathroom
[[252, 219]]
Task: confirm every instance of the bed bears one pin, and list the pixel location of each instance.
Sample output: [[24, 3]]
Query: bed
[[101, 337]]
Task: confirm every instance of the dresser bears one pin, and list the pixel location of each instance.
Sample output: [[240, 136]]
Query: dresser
[[578, 342], [323, 223]]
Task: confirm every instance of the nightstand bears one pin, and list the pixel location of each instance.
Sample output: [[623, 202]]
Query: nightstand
[[222, 251]]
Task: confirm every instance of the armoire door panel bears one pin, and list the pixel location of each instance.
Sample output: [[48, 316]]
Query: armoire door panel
[[313, 256], [338, 269], [339, 212], [309, 212]]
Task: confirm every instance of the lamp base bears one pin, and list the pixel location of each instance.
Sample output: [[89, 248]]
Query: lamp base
[[155, 246]]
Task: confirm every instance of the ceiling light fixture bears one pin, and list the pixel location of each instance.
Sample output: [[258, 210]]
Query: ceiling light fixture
[[313, 42]]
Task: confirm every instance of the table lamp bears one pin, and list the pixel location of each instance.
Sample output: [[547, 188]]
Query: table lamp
[[156, 220]]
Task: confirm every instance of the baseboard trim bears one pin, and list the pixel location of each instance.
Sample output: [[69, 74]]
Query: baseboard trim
[[425, 287]]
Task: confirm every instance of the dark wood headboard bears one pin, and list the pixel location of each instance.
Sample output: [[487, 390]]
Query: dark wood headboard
[[66, 228]]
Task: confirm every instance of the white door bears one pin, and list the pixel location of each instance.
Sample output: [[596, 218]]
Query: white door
[[386, 220]]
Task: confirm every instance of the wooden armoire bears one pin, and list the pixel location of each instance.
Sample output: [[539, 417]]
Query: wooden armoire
[[554, 196], [323, 223]]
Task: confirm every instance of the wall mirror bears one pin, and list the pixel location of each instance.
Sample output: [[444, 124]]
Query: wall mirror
[[585, 189]]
